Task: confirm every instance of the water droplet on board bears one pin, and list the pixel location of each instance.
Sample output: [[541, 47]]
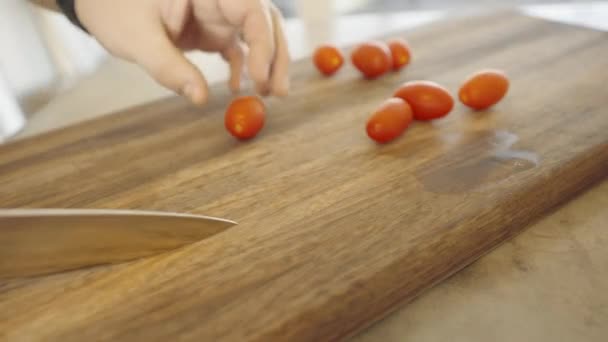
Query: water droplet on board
[[474, 160]]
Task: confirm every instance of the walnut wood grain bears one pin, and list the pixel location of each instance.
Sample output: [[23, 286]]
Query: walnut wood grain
[[334, 231]]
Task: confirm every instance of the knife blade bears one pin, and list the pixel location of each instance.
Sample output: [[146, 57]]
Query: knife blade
[[37, 242]]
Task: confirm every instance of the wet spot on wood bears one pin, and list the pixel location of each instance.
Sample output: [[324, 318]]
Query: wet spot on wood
[[473, 160]]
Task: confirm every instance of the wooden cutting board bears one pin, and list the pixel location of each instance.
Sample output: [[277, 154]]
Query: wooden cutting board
[[335, 231]]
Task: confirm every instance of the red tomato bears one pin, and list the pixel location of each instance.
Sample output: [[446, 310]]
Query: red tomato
[[373, 59], [402, 54], [429, 100], [328, 59], [390, 120], [484, 89], [245, 117]]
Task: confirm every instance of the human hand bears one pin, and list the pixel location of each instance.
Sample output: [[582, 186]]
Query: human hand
[[155, 33]]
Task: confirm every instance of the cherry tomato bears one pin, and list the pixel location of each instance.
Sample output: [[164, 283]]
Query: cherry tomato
[[429, 100], [373, 59], [390, 120], [402, 54], [484, 89], [245, 117], [328, 59]]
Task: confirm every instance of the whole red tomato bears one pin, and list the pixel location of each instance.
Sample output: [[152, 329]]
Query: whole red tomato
[[429, 100], [484, 89], [401, 52], [245, 117], [373, 59], [389, 121], [328, 59]]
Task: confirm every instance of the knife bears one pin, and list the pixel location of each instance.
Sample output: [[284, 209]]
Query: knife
[[37, 242]]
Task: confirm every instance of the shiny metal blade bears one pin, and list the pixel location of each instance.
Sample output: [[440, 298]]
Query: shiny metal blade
[[37, 242]]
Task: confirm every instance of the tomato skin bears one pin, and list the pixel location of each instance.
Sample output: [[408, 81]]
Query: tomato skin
[[389, 121], [373, 59], [401, 52], [429, 100], [245, 117], [484, 89], [328, 59]]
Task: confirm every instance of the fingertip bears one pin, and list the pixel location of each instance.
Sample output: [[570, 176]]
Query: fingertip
[[170, 68], [263, 89], [281, 85], [199, 101], [234, 89], [259, 71], [281, 92], [196, 93], [234, 83]]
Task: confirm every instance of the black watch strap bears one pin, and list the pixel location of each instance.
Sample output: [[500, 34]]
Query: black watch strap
[[69, 9]]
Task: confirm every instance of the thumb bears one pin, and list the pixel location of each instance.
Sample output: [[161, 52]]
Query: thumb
[[169, 67]]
